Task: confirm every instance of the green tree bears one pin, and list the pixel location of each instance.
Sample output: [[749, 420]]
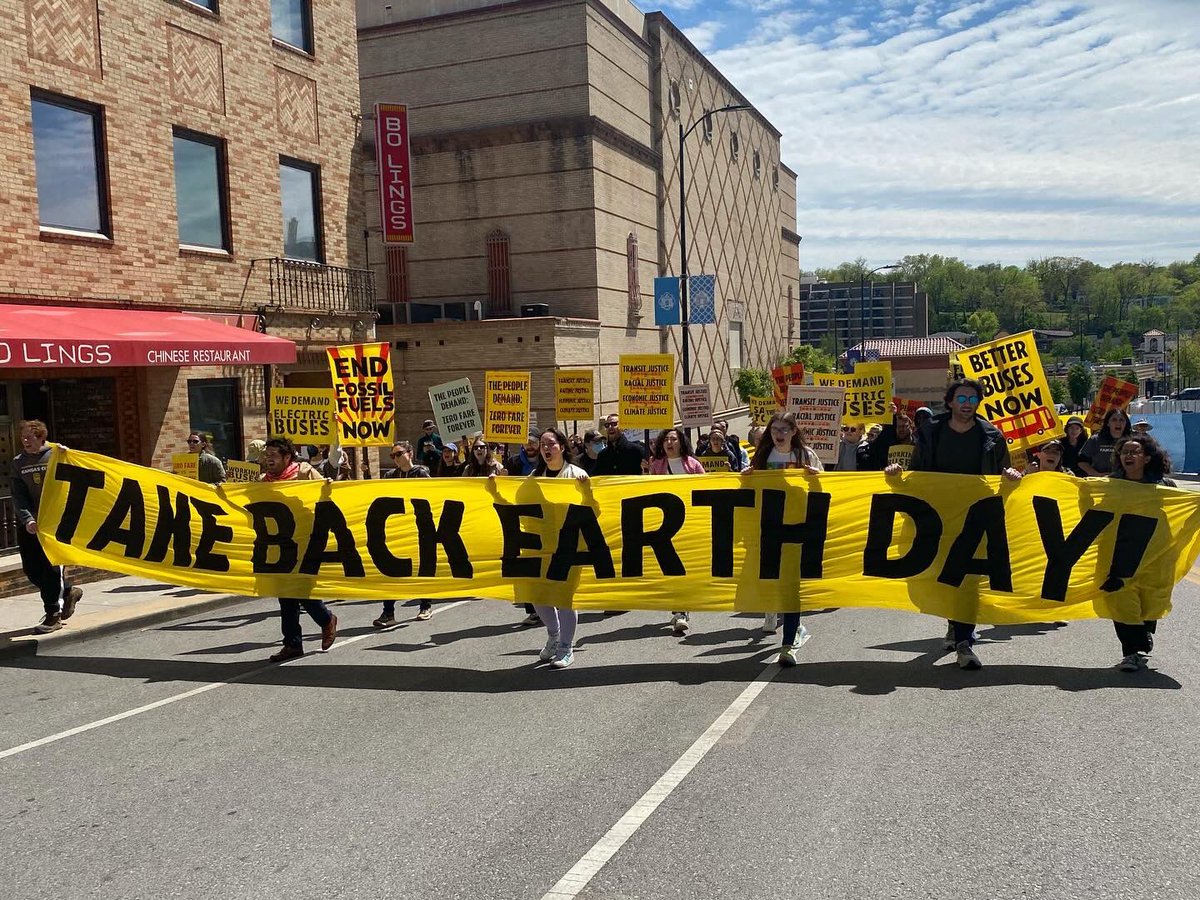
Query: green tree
[[753, 383], [983, 323], [1079, 383], [1058, 390], [814, 358]]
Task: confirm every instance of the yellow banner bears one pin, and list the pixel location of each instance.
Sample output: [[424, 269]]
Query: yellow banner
[[574, 394], [303, 415], [647, 394], [868, 392], [364, 393], [506, 406], [968, 548], [1016, 398], [761, 410]]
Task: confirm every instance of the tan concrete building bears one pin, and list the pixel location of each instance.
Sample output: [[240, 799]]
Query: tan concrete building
[[173, 155], [545, 149]]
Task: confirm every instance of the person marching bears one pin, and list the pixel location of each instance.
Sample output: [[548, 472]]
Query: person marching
[[1140, 459], [560, 623], [782, 447], [672, 455], [209, 467], [280, 464], [402, 454], [28, 475], [1096, 454], [960, 442]]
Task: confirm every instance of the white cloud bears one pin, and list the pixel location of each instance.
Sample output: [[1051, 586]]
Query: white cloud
[[1053, 124], [704, 34]]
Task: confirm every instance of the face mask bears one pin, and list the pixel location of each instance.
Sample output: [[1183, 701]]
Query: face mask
[[597, 446]]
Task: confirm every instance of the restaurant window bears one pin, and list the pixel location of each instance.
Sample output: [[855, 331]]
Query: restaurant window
[[68, 154], [499, 275], [215, 408], [291, 23], [397, 274], [300, 188], [201, 192]]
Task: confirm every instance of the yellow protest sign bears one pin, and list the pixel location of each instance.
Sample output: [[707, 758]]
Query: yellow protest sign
[[238, 471], [302, 415], [1016, 397], [574, 394], [868, 392], [900, 455], [715, 462], [506, 406], [969, 548], [646, 397], [1113, 393], [186, 465], [761, 410], [364, 394]]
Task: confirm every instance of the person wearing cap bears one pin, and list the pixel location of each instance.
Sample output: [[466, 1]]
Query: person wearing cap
[[1073, 442], [429, 446], [527, 458], [1142, 427], [449, 466]]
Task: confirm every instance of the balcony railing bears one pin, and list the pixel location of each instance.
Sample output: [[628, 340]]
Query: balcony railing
[[312, 287]]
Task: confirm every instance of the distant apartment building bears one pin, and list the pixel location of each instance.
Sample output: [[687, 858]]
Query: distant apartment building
[[545, 157], [850, 312], [175, 219]]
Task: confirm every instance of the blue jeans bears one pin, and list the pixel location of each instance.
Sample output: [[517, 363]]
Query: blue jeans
[[791, 624], [289, 618]]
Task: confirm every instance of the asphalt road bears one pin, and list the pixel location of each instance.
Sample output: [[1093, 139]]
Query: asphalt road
[[437, 761]]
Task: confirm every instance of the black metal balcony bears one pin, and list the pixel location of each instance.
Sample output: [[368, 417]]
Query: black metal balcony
[[312, 287]]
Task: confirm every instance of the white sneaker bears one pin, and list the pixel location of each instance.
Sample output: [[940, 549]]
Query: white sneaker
[[802, 636], [564, 657], [550, 649], [770, 623], [966, 656], [681, 624]]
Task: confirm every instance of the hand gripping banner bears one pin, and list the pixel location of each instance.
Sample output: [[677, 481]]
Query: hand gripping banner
[[968, 548]]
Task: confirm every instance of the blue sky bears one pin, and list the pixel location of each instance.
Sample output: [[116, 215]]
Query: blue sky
[[991, 130]]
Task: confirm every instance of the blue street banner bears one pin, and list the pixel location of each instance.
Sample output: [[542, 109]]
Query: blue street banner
[[666, 301], [702, 299]]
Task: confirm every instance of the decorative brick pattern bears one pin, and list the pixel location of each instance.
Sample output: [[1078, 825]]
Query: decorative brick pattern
[[65, 33], [197, 70], [296, 105]]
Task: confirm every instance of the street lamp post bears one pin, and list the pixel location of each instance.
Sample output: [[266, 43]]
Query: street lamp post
[[862, 300], [683, 266]]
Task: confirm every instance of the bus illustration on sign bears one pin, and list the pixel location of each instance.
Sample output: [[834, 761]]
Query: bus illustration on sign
[[1036, 421]]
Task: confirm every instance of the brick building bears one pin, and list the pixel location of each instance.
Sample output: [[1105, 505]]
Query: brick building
[[848, 311], [920, 366], [545, 148], [164, 156]]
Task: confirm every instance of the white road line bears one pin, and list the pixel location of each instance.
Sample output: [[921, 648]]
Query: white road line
[[194, 692], [606, 848]]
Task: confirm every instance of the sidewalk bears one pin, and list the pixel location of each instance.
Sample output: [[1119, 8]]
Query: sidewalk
[[119, 603]]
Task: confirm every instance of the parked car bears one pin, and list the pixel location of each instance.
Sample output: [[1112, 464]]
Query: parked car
[[1159, 398], [1192, 393], [1060, 409]]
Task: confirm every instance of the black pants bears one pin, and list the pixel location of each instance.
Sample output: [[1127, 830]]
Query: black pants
[[1136, 638], [50, 580]]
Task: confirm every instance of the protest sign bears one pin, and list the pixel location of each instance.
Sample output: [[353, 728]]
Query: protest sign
[[783, 377], [1113, 393], [364, 394], [762, 408], [454, 408], [237, 471], [868, 392], [695, 407], [818, 412], [783, 540], [186, 465], [302, 415], [1016, 397], [574, 394], [506, 406], [646, 397]]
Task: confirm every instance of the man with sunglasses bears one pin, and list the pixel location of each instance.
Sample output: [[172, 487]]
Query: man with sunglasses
[[209, 468], [960, 441], [402, 456], [852, 451]]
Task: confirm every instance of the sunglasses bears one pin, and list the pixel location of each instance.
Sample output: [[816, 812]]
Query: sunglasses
[[191, 441], [399, 453], [967, 398]]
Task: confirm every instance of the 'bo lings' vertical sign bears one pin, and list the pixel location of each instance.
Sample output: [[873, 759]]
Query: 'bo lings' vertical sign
[[395, 174]]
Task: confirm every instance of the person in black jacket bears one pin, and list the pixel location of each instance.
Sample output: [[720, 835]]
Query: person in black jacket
[[961, 442], [620, 455]]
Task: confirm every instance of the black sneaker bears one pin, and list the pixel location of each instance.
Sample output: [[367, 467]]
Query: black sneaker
[[74, 595], [47, 625]]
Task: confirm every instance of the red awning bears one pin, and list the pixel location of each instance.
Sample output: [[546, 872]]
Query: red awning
[[43, 337]]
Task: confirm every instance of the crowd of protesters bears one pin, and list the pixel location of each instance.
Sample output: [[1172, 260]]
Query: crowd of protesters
[[956, 441]]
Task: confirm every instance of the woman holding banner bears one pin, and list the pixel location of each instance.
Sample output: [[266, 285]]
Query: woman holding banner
[[1138, 458], [1096, 455], [672, 455], [560, 623], [782, 447]]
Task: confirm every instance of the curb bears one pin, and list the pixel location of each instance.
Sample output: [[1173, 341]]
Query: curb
[[28, 645]]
